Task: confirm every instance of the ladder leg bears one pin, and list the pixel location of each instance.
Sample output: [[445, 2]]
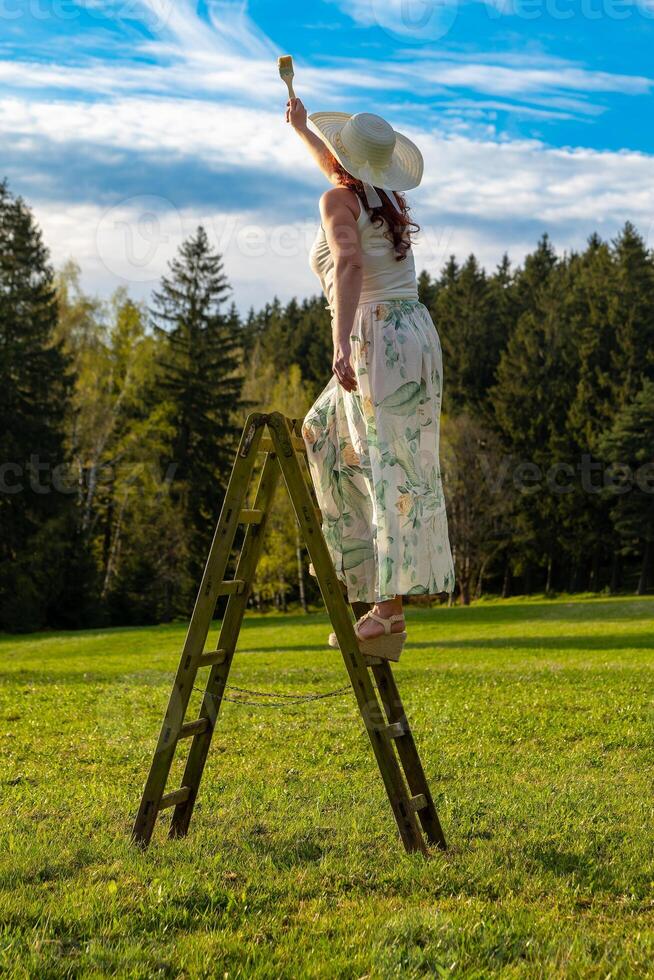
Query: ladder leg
[[198, 628], [408, 753], [406, 747], [231, 625], [330, 587]]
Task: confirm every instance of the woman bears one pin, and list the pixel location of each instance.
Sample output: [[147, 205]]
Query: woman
[[372, 435]]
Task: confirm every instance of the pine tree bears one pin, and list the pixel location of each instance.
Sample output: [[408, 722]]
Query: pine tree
[[535, 386], [585, 511], [39, 554], [632, 315], [200, 382], [466, 317], [627, 447], [427, 290], [297, 334], [479, 502]]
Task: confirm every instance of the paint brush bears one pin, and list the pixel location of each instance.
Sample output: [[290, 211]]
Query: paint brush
[[286, 73]]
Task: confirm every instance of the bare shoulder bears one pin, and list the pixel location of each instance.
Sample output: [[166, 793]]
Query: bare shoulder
[[338, 199]]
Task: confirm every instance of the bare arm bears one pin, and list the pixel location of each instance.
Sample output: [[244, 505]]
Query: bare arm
[[296, 115], [339, 209]]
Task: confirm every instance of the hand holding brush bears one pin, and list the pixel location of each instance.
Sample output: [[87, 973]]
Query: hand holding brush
[[296, 115]]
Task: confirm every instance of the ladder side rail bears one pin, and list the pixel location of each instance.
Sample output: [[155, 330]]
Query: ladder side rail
[[198, 628], [395, 712], [229, 632], [408, 752], [341, 620]]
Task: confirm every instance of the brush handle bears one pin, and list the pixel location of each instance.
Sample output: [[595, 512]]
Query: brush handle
[[289, 82]]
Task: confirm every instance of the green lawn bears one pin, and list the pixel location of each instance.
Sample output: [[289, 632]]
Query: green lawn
[[534, 720]]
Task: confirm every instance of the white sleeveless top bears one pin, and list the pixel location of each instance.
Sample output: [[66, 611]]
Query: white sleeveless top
[[384, 278]]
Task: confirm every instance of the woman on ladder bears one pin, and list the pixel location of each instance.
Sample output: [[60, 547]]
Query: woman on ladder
[[372, 436]]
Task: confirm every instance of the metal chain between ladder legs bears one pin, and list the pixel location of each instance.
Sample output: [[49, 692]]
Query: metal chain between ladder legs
[[288, 699]]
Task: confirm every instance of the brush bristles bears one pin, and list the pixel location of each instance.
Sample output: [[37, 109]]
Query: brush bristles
[[285, 64]]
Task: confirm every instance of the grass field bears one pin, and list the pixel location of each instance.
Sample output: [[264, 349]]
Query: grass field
[[534, 720]]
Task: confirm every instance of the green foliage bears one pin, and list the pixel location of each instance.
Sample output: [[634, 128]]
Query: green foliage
[[533, 721], [466, 313], [299, 333], [36, 506], [632, 314], [283, 567], [136, 418], [199, 379], [629, 449], [480, 512], [119, 434]]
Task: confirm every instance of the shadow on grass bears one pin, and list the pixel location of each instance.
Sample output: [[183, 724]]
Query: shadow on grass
[[287, 852], [607, 642], [590, 869], [562, 609], [553, 610]]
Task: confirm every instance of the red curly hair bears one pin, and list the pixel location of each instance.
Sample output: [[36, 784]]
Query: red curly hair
[[400, 227]]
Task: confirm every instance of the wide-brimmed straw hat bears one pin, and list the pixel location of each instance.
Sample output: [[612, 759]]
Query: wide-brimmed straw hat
[[370, 149]]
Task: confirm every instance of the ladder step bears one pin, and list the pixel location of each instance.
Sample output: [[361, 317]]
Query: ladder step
[[232, 588], [250, 517], [418, 802], [212, 657], [396, 730], [266, 445], [172, 799], [192, 728]]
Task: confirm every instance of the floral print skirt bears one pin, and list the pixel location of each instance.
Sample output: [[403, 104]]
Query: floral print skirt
[[374, 458]]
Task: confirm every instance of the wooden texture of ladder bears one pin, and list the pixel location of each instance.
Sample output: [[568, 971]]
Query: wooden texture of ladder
[[399, 763]]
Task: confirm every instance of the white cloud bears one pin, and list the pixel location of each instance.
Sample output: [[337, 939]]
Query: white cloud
[[523, 80], [132, 243], [477, 195], [211, 95]]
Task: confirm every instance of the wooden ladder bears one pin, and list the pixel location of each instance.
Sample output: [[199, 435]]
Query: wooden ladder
[[399, 763]]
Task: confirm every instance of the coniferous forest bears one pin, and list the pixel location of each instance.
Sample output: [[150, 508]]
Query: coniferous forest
[[120, 420]]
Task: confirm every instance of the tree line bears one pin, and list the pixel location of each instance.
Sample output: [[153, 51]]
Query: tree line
[[120, 421]]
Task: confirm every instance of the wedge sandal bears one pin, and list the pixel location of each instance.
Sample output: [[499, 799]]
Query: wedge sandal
[[387, 646]]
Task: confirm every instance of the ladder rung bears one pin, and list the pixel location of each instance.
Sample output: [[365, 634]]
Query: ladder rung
[[172, 799], [418, 802], [232, 588], [396, 730], [266, 445], [192, 728], [212, 657], [250, 517]]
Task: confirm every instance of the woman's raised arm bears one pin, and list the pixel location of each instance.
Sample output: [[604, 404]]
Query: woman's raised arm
[[296, 115]]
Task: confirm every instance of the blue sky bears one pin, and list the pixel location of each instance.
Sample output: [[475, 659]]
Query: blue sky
[[126, 122]]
